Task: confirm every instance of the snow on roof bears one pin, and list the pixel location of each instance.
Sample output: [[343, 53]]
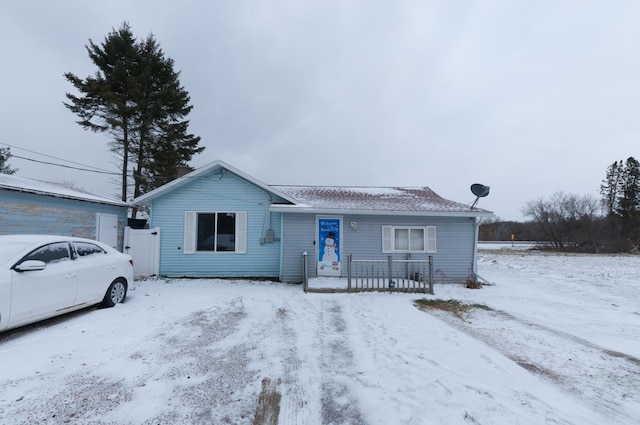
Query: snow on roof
[[388, 199], [202, 171], [57, 190], [353, 199]]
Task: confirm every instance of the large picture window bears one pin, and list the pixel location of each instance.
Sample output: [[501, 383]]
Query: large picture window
[[408, 239], [216, 232], [220, 231]]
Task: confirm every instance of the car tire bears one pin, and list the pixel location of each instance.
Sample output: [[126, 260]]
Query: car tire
[[116, 293]]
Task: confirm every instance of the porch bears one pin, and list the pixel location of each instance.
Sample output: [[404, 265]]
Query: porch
[[390, 275]]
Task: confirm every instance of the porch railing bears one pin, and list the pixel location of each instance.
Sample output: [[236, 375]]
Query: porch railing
[[381, 275], [390, 275]]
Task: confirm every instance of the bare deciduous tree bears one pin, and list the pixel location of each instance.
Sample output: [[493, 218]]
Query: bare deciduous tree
[[566, 221]]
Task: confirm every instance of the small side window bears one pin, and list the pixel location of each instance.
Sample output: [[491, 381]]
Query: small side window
[[408, 239], [51, 253], [85, 249]]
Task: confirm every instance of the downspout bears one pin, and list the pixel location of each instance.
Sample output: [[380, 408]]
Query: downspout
[[476, 231], [281, 244]]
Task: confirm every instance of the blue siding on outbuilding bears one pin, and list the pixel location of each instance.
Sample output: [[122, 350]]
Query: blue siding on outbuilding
[[218, 191], [22, 213], [453, 261]]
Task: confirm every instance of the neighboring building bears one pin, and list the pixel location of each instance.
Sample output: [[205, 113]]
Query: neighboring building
[[220, 222], [37, 207]]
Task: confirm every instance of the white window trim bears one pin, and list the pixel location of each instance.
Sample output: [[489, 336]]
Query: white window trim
[[191, 226], [388, 239]]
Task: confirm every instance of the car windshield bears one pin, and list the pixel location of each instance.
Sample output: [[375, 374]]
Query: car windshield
[[11, 248]]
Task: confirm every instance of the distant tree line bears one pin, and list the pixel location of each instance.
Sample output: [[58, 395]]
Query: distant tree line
[[581, 223]]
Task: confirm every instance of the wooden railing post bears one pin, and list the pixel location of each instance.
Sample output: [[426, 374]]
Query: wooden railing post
[[390, 266], [431, 274], [305, 277], [349, 257]]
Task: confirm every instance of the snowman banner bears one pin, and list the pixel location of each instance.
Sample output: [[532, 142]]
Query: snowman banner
[[329, 230]]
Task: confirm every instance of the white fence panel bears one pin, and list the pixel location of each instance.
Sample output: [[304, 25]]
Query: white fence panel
[[143, 245]]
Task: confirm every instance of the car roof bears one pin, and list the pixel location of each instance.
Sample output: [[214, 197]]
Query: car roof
[[14, 246]]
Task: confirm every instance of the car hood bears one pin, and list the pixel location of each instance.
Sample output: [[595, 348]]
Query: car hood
[[8, 251]]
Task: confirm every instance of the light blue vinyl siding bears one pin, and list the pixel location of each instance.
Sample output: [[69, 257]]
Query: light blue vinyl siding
[[22, 213], [453, 261], [218, 192]]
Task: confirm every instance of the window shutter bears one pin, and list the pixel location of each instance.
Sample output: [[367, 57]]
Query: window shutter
[[189, 232], [241, 232], [387, 239], [431, 239]]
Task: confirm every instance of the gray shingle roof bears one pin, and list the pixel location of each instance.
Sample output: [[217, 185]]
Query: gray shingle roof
[[387, 199]]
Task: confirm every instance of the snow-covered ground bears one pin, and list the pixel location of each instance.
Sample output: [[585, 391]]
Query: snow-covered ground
[[558, 343]]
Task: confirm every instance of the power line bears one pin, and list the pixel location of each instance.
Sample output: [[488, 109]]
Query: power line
[[59, 159], [65, 166], [94, 170]]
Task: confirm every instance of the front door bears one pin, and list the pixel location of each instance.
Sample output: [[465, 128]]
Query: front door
[[329, 251]]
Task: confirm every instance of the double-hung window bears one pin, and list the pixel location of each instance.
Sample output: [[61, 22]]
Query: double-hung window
[[418, 239], [219, 231]]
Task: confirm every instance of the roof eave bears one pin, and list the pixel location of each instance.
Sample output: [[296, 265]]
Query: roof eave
[[71, 197], [180, 181]]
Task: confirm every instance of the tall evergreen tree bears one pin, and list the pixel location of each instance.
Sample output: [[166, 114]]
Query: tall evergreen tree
[[5, 154], [136, 96], [610, 187], [629, 198], [163, 145], [620, 192], [107, 103]]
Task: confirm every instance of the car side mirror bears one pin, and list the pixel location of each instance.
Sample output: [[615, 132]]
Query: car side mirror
[[30, 265]]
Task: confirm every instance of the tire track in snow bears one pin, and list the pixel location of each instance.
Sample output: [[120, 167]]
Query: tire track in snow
[[576, 339], [294, 409], [338, 405], [210, 385], [561, 358]]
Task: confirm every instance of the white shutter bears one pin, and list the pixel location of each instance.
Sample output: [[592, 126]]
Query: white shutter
[[387, 239], [189, 232], [431, 239], [241, 232]]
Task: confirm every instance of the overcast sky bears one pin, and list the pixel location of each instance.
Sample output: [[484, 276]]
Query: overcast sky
[[529, 98]]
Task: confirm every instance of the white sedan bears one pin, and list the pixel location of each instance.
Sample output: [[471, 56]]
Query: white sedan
[[43, 276]]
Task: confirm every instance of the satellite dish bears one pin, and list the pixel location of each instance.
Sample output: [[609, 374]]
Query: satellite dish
[[480, 191]]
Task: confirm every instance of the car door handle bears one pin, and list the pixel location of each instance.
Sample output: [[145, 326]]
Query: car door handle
[[71, 275]]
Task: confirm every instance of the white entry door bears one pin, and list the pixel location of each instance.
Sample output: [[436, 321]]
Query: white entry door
[[329, 248], [107, 229], [143, 245]]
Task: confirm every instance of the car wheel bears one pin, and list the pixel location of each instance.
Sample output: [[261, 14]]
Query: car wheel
[[116, 293]]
